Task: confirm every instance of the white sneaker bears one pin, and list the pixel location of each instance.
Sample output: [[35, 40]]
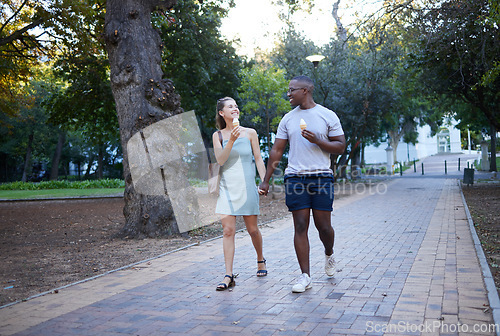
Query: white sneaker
[[303, 283], [329, 265]]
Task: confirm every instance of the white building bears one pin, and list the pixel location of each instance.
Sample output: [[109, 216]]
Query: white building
[[446, 141]]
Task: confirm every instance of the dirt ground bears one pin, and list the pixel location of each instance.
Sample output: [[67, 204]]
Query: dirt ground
[[483, 200], [48, 244]]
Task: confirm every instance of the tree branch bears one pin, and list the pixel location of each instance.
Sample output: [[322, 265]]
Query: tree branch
[[167, 4], [13, 15], [394, 9], [341, 31], [18, 33]]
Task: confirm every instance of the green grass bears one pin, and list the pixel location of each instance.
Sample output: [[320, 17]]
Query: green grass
[[58, 193], [405, 167], [477, 164], [63, 184]]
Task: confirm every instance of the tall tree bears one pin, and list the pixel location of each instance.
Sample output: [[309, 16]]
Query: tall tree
[[143, 97], [408, 103], [458, 48]]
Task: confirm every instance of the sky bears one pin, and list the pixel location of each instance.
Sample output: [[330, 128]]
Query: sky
[[256, 22]]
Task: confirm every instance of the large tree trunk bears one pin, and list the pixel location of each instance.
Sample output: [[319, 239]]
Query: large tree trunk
[[56, 158], [395, 136], [27, 158], [142, 98], [89, 165], [100, 161], [356, 163]]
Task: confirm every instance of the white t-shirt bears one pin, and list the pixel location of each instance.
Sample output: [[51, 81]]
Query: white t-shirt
[[305, 157]]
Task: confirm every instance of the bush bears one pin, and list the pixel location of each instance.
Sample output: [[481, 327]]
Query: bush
[[64, 184]]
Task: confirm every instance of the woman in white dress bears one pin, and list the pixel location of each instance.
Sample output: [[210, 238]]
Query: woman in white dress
[[236, 149]]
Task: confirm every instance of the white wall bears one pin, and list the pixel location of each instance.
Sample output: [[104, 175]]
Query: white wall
[[426, 146]]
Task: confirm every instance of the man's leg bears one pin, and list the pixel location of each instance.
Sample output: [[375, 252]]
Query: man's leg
[[323, 222], [300, 239]]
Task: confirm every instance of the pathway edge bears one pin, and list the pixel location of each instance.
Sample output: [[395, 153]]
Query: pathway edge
[[493, 297]]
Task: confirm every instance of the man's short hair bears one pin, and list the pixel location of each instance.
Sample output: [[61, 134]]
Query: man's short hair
[[308, 82]]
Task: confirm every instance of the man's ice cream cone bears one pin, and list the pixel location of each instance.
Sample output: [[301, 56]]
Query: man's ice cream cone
[[303, 124]]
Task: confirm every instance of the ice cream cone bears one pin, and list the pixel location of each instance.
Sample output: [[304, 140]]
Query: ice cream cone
[[236, 122], [303, 124]]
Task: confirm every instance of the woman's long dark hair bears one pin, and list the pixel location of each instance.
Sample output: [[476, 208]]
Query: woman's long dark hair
[[219, 120]]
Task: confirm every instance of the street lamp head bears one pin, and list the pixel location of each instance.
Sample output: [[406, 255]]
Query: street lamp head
[[315, 59]]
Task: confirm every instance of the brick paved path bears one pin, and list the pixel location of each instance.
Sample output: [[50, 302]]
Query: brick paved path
[[406, 266]]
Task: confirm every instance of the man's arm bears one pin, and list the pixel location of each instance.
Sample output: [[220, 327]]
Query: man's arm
[[274, 158], [334, 145]]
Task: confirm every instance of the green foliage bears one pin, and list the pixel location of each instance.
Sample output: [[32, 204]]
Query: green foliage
[[356, 87], [61, 27], [17, 56], [290, 54], [28, 122], [203, 66], [492, 19], [68, 31], [64, 184], [85, 103], [457, 49], [410, 104], [365, 80], [262, 92], [353, 80]]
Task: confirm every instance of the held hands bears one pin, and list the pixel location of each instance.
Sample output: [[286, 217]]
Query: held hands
[[263, 188]]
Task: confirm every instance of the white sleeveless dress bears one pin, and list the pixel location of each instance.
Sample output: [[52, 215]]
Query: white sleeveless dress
[[238, 195]]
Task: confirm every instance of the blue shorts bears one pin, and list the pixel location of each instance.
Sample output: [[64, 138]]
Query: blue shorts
[[309, 192]]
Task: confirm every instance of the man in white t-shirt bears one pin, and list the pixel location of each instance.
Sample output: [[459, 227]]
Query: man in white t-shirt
[[313, 132]]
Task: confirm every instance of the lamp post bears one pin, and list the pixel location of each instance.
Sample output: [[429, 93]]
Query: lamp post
[[315, 59]]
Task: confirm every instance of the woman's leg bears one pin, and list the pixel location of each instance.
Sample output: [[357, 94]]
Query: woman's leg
[[228, 231], [253, 230]]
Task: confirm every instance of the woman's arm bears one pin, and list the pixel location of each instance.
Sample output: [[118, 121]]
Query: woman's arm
[[259, 163], [222, 154]]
